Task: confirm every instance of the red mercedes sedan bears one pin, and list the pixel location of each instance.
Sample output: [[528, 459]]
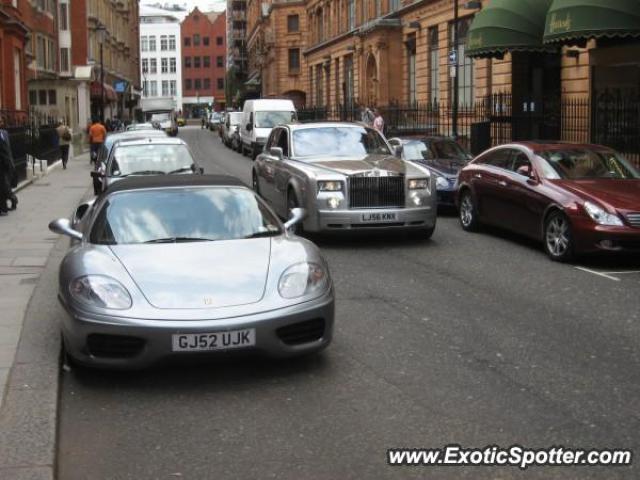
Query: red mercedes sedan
[[574, 198]]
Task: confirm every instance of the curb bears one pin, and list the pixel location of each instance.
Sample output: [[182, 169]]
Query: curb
[[25, 183]]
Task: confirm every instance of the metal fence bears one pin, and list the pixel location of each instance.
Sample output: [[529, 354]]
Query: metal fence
[[607, 118], [31, 133]]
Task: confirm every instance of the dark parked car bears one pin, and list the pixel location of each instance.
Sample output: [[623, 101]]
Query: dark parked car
[[444, 158], [574, 198]]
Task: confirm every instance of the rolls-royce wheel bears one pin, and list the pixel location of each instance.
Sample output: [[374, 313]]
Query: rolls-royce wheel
[[558, 239], [468, 212]]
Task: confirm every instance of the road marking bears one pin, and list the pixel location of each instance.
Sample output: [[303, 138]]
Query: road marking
[[605, 275]]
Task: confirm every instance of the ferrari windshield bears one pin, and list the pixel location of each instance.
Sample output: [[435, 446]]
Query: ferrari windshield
[[338, 142], [150, 159], [174, 215], [273, 119], [585, 163]]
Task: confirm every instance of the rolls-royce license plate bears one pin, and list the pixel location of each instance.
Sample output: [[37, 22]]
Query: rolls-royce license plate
[[377, 217], [204, 342]]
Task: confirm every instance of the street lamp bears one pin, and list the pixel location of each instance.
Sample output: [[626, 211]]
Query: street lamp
[[101, 32], [472, 5]]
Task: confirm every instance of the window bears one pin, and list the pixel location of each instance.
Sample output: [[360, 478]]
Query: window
[[33, 97], [320, 25], [42, 94], [352, 14], [164, 65], [153, 65], [187, 42], [465, 65], [153, 88], [499, 158], [205, 41], [144, 43], [187, 62], [394, 5], [221, 84], [41, 51], [293, 23], [196, 40], [207, 83], [411, 69], [348, 79], [64, 17], [172, 87], [197, 84], [319, 91], [145, 65], [64, 60], [434, 65], [165, 88], [196, 62], [206, 61], [164, 43], [52, 97], [152, 43], [172, 65], [172, 43], [294, 60], [219, 41], [220, 61], [187, 84]]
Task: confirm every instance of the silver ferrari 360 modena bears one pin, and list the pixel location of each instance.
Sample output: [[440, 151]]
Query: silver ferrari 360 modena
[[165, 266], [347, 178]]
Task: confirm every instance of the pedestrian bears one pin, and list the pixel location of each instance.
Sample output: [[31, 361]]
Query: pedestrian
[[8, 174], [97, 135], [202, 122], [378, 121], [64, 140]]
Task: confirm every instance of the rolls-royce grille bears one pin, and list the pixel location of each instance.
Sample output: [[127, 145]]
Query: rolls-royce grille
[[634, 219], [376, 192]]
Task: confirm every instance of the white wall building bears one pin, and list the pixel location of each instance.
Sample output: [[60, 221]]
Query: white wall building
[[160, 54]]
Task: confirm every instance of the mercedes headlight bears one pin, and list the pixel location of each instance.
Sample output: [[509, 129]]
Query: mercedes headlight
[[100, 291], [330, 186], [303, 279], [602, 217], [442, 183], [418, 184]]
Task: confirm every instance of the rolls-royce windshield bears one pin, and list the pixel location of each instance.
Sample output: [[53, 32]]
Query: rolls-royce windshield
[[338, 142]]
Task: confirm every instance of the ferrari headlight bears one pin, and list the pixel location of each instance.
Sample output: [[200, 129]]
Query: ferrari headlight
[[442, 183], [303, 279], [418, 184], [330, 186], [600, 216], [100, 291]]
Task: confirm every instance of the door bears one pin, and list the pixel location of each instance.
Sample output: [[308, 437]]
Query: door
[[488, 181], [266, 169], [282, 174]]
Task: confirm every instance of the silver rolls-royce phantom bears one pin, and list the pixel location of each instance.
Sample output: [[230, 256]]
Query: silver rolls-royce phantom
[[347, 178]]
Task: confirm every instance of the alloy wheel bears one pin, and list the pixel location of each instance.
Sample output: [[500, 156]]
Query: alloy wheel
[[466, 211]]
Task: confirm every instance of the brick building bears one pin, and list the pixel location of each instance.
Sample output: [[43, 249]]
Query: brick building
[[13, 36], [277, 35], [204, 50]]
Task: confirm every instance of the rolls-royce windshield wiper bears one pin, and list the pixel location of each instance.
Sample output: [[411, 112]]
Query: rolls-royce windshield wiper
[[179, 240]]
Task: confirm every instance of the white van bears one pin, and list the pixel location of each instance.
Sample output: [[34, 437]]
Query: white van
[[259, 117]]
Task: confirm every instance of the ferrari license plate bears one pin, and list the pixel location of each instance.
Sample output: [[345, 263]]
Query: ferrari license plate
[[379, 217], [204, 342]]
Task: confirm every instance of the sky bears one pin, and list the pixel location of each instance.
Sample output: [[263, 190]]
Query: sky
[[203, 5]]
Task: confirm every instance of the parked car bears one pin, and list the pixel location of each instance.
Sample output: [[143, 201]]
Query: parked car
[[147, 156], [127, 309], [214, 121], [346, 177], [444, 158], [573, 198], [258, 118], [229, 129]]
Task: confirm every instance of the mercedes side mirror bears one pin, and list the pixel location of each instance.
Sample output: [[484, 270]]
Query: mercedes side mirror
[[297, 216], [62, 226], [276, 152]]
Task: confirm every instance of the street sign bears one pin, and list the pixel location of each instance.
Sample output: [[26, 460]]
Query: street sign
[[453, 57]]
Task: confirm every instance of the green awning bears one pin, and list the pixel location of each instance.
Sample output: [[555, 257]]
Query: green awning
[[579, 20], [507, 26]]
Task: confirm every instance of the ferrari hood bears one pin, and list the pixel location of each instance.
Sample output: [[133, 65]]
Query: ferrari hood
[[198, 274], [383, 163]]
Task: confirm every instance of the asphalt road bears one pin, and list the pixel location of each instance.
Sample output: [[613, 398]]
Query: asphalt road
[[472, 339]]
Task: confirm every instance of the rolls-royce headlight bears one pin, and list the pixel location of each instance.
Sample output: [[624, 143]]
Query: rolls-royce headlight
[[100, 291], [418, 183], [330, 186], [303, 279], [442, 183]]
